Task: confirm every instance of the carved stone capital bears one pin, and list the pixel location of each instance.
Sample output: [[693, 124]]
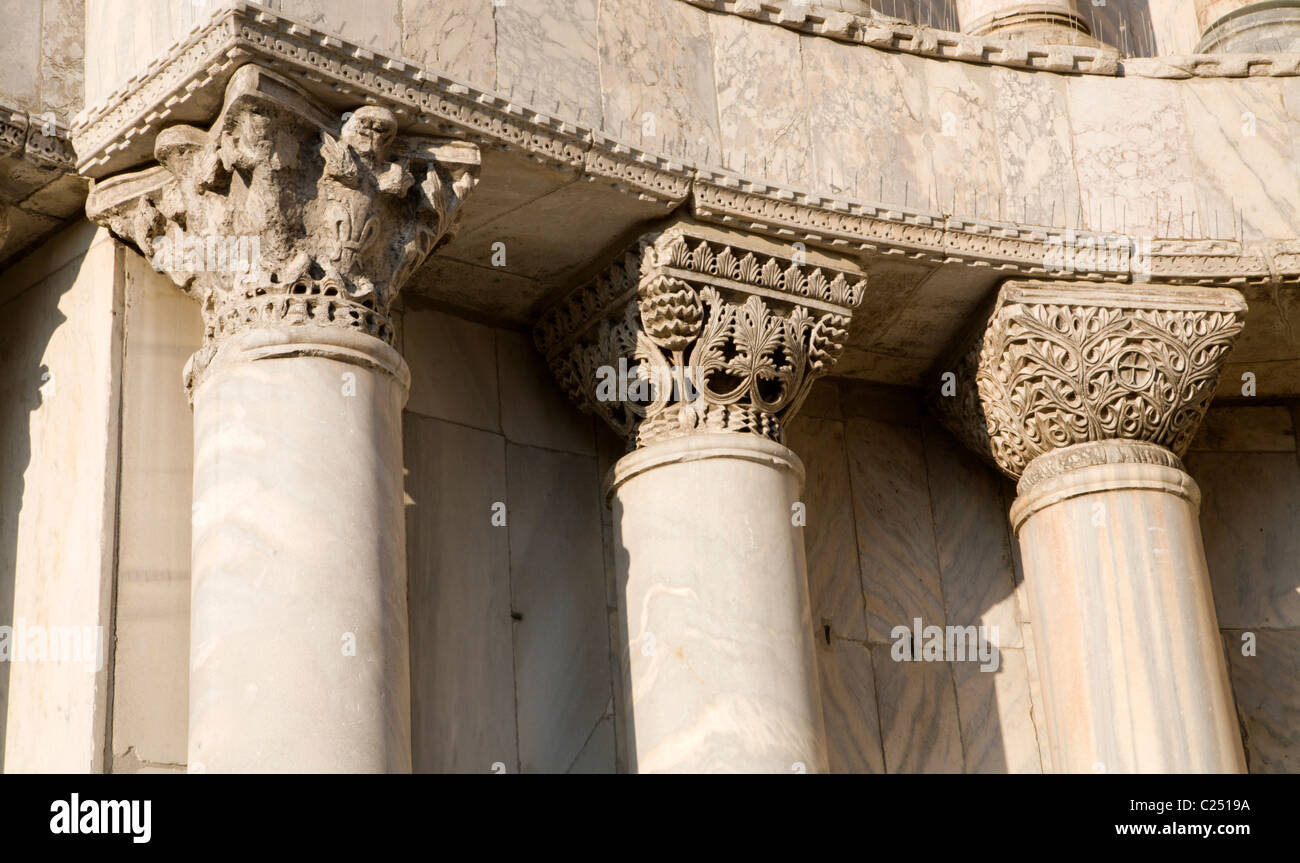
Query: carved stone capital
[[696, 329], [1058, 365], [281, 214]]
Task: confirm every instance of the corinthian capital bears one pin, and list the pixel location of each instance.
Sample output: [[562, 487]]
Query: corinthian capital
[[282, 213], [694, 329], [1058, 365]]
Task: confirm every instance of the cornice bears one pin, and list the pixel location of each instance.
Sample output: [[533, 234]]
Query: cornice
[[185, 87], [893, 34], [35, 139]]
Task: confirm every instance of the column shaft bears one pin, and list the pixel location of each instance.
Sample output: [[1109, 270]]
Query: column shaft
[[718, 630], [1248, 26], [1128, 645], [298, 657]]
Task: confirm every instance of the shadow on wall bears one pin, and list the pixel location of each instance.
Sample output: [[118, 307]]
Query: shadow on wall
[[1122, 24], [27, 322], [903, 523], [940, 14]]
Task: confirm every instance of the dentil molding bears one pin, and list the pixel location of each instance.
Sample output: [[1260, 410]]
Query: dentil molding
[[185, 87]]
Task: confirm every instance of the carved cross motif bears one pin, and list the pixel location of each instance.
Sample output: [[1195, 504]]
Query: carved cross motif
[[1060, 364]]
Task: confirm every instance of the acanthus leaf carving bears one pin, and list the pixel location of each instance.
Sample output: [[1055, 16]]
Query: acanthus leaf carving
[[691, 331]]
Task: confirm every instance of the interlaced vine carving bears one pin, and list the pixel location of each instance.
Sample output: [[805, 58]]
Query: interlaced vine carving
[[1058, 367]]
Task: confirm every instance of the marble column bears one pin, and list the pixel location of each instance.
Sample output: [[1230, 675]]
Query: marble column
[[1088, 396], [698, 345], [294, 228], [1247, 27], [1044, 22]]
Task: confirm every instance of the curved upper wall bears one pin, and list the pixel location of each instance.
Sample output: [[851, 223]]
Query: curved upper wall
[[1207, 157]]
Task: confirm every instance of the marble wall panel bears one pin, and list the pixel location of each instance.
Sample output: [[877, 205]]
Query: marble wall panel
[[546, 56], [891, 509], [762, 103], [869, 124], [997, 725], [918, 714], [453, 368], [20, 73], [152, 627], [456, 37], [561, 634], [376, 24], [1267, 689], [1132, 156], [963, 141], [62, 57], [458, 566], [830, 539], [973, 539], [1267, 428], [533, 408], [849, 707], [1242, 149], [1250, 501], [1034, 146], [656, 64], [60, 352]]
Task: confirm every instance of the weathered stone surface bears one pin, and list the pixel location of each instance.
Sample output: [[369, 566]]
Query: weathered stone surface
[[830, 538], [1266, 428], [59, 357], [997, 726], [152, 625], [868, 122], [62, 56], [20, 73], [1035, 147], [972, 539], [457, 37], [763, 117], [1237, 129], [534, 410], [1132, 157]]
